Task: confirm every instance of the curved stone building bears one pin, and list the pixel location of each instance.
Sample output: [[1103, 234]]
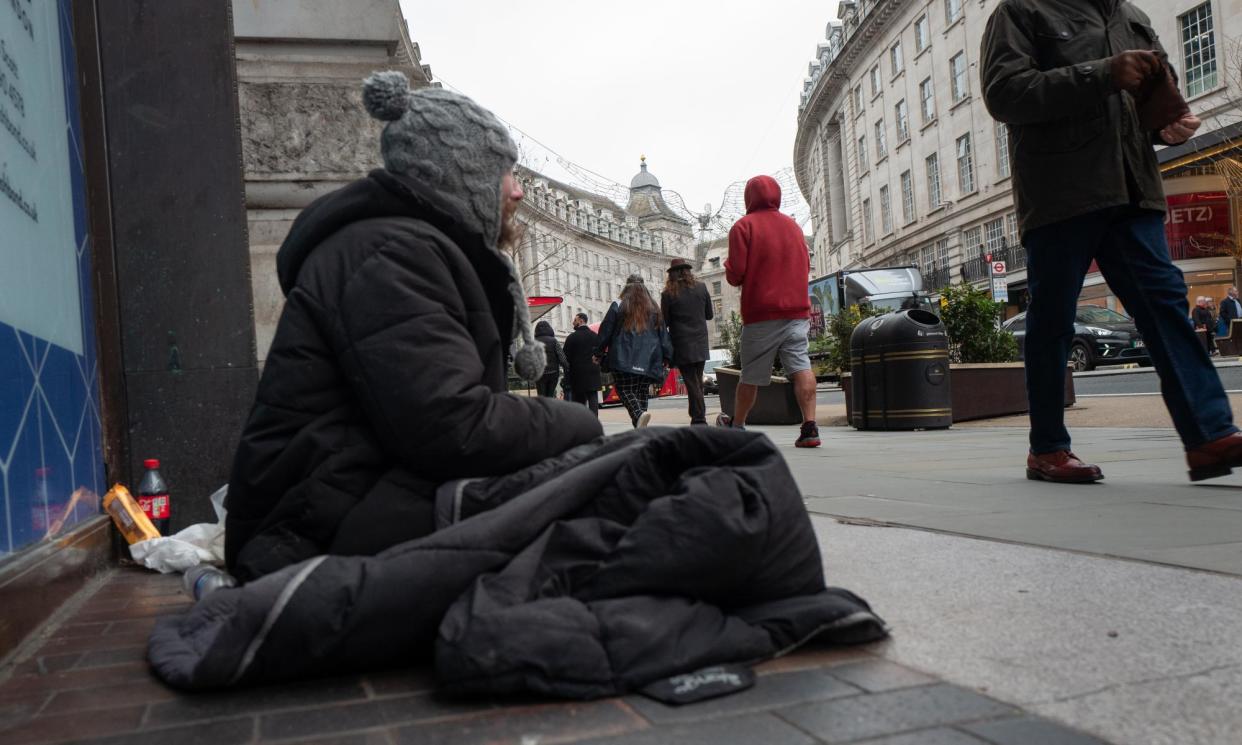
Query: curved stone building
[[902, 164], [581, 246]]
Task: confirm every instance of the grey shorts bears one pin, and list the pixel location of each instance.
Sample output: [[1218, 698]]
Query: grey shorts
[[761, 341]]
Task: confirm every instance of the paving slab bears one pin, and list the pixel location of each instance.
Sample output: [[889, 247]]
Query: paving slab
[[100, 694], [1129, 652]]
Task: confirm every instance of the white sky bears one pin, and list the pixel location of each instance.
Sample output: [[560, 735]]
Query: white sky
[[708, 91]]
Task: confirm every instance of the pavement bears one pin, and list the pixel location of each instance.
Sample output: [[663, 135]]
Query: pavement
[[1023, 613]]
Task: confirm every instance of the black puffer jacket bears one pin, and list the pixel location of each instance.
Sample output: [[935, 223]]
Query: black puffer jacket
[[556, 356], [386, 377]]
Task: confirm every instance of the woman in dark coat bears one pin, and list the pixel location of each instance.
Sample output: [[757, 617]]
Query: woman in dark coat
[[687, 307], [546, 385], [637, 347]]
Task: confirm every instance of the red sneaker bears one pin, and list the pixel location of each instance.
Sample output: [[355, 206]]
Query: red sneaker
[[809, 437]]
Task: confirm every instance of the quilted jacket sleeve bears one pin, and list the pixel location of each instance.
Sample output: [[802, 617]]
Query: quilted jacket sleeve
[[419, 378]]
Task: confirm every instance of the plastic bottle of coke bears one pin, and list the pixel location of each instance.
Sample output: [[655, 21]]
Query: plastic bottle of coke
[[153, 496]]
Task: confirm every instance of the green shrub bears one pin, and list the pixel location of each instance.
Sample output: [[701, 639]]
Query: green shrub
[[840, 328], [731, 338], [970, 318]]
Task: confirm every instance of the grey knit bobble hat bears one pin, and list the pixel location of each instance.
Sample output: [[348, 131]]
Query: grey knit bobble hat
[[460, 149]]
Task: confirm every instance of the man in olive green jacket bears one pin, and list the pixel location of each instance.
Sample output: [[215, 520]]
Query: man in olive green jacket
[[1073, 79]]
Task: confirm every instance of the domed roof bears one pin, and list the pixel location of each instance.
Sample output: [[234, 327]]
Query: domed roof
[[644, 177]]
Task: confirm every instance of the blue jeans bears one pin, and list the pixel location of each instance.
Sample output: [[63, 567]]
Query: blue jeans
[[1129, 246]]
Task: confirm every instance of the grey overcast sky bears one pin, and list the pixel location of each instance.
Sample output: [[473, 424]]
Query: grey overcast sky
[[707, 90]]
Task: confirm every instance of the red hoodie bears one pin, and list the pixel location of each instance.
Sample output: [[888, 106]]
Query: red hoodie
[[768, 257]]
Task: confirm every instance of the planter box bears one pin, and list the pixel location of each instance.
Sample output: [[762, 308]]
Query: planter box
[[775, 404], [983, 391]]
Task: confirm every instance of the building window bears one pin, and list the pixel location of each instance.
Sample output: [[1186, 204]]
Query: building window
[[1002, 149], [858, 100], [922, 34], [875, 81], [714, 261], [1199, 50], [895, 57], [927, 100], [952, 11], [867, 221], [886, 210], [903, 121], [972, 245], [863, 166], [994, 235], [1011, 229], [907, 197], [881, 144], [965, 166], [933, 180], [957, 73], [715, 288]]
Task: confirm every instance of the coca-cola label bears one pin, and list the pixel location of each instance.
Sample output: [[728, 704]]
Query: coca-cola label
[[156, 506]]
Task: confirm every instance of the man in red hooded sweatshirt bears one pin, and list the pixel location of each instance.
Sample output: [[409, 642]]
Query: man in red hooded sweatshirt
[[768, 259]]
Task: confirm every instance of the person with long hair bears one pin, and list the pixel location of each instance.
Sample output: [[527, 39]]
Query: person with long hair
[[687, 307], [635, 346]]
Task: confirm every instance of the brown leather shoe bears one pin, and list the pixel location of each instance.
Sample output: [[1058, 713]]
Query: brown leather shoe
[[1062, 467], [1217, 458]]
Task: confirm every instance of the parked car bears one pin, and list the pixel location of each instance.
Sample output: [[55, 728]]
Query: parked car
[[710, 384], [1101, 337]]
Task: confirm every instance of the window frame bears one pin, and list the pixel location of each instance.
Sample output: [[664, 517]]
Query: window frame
[[1004, 165], [935, 193], [969, 158], [927, 100], [896, 58], [886, 209], [902, 113], [922, 41], [881, 141], [956, 79], [909, 211], [1200, 63]]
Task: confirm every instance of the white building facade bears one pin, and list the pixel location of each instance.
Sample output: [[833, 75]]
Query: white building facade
[[895, 151], [581, 246], [899, 158]]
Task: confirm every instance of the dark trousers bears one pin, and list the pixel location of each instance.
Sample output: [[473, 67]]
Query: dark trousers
[[546, 386], [589, 398], [693, 376], [634, 390], [1129, 246]]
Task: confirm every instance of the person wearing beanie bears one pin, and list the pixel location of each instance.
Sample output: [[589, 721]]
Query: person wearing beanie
[[387, 374]]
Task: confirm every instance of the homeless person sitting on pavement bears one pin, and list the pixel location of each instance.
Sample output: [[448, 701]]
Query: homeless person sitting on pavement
[[391, 503]]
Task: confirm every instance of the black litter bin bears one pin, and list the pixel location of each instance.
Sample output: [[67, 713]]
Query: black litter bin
[[899, 363]]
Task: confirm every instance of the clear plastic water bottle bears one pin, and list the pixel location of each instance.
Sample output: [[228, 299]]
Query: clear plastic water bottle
[[204, 579]]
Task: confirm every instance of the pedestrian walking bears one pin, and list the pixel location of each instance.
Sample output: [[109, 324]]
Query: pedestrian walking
[[1230, 306], [687, 307], [387, 375], [768, 259], [555, 360], [1087, 188], [583, 375], [636, 347], [1201, 316]]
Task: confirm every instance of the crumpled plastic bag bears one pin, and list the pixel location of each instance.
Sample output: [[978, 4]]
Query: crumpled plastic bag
[[198, 544]]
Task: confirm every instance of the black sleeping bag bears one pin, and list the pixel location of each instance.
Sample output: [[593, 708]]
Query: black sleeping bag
[[620, 562]]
